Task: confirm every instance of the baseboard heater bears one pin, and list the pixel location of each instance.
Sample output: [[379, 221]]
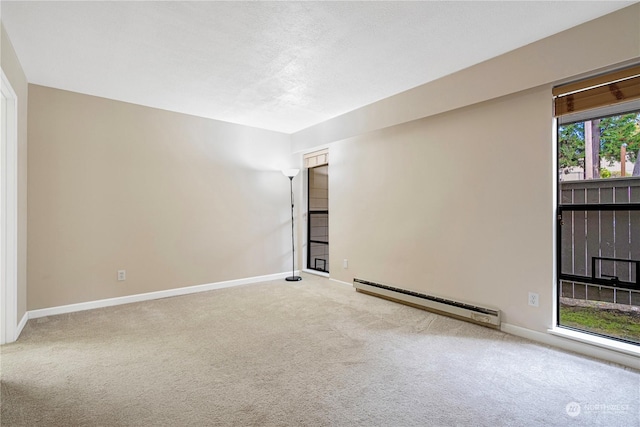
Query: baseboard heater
[[480, 315]]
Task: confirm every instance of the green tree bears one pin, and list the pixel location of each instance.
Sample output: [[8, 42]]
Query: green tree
[[614, 131], [571, 145], [618, 130]]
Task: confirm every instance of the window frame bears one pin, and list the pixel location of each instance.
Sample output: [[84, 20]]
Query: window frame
[[309, 216], [596, 113]]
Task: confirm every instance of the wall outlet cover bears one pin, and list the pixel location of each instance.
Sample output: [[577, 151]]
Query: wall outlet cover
[[533, 299]]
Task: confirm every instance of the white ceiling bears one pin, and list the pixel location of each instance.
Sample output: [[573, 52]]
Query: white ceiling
[[276, 65]]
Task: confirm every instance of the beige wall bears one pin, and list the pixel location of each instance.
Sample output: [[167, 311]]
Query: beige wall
[[404, 215], [175, 200], [13, 70], [448, 188]]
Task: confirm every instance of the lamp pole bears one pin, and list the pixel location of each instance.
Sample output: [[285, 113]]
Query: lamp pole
[[291, 173]]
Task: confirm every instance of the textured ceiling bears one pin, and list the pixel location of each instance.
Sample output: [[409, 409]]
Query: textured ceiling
[[276, 65]]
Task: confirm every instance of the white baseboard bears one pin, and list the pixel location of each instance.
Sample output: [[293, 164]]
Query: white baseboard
[[610, 353], [341, 282], [22, 324], [316, 272], [71, 308]]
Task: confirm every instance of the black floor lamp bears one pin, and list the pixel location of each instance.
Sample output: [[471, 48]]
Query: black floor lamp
[[290, 173]]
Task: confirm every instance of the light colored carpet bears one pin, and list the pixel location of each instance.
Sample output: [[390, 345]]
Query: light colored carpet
[[311, 353]]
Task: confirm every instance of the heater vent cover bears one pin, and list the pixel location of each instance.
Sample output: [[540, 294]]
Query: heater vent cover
[[473, 313]]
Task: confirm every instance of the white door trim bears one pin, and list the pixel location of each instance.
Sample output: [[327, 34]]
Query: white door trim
[[8, 213]]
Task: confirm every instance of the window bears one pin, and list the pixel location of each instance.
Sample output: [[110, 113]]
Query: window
[[599, 207], [317, 164]]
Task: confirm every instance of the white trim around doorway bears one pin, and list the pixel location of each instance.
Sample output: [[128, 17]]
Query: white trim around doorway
[[9, 327]]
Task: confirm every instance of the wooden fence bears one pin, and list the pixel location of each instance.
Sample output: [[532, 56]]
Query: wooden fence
[[588, 235], [599, 191]]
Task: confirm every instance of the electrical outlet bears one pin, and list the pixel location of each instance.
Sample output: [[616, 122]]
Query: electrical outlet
[[122, 275], [345, 263], [533, 299]]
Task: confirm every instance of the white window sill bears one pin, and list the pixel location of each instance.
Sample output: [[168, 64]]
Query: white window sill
[[630, 349]]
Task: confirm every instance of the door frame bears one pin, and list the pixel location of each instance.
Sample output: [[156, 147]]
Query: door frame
[[8, 213]]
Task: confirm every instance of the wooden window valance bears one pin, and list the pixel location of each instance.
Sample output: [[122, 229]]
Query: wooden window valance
[[597, 92], [317, 158]]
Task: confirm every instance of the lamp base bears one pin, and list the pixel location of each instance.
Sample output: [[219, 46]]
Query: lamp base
[[293, 278]]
